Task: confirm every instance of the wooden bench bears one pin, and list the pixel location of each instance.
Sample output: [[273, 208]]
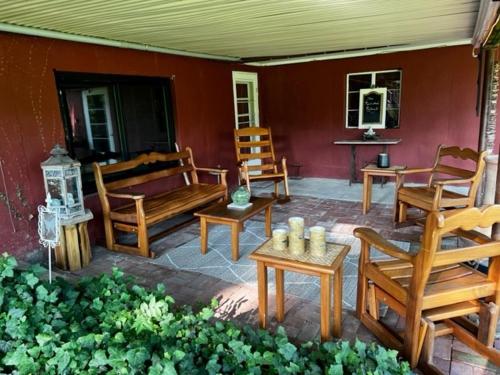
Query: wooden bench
[[141, 211]]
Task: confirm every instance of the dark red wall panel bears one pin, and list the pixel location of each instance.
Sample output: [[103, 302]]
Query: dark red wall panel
[[303, 103], [30, 120], [305, 106]]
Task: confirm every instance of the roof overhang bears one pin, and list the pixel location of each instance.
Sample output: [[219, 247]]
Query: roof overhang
[[257, 32]]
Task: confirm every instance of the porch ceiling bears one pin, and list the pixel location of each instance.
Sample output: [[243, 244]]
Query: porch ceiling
[[253, 28]]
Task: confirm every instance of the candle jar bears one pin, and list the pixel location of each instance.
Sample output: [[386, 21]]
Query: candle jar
[[317, 242], [280, 239], [296, 236]]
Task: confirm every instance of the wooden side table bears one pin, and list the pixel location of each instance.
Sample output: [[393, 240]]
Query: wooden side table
[[73, 251], [220, 214], [368, 172], [326, 267]]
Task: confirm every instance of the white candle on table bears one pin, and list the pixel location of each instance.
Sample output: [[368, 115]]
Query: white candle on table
[[280, 237], [296, 237], [317, 242]]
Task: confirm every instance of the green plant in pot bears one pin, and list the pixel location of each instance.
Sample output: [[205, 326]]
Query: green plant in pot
[[241, 196]]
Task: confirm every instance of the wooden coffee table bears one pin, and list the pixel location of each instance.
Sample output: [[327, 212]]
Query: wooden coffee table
[[220, 214], [325, 267]]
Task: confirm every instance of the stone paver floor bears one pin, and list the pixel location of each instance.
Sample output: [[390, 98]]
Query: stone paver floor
[[239, 302]]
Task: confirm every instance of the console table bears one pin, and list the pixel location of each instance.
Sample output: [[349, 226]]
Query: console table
[[384, 142]]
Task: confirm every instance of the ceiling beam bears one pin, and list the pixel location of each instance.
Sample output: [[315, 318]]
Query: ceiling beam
[[354, 53], [32, 31]]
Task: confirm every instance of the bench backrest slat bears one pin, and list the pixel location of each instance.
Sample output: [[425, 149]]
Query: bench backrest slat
[[151, 176], [100, 171], [152, 157]]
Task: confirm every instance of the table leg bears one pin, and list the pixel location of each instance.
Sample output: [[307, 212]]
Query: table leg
[[268, 220], [369, 193], [280, 295], [353, 165], [204, 235], [262, 292], [235, 241], [337, 302], [326, 293], [367, 188]]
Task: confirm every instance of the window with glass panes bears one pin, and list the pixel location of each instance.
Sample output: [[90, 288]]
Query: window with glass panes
[[109, 118], [387, 78]]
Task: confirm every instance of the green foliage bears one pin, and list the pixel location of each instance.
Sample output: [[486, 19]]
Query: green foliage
[[105, 325]]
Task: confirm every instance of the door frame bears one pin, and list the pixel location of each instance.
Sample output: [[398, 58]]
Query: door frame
[[247, 77]]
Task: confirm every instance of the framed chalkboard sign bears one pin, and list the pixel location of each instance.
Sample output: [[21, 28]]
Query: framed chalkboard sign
[[372, 103]]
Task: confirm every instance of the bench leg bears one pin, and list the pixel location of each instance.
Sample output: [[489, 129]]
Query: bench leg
[[110, 234], [143, 240]]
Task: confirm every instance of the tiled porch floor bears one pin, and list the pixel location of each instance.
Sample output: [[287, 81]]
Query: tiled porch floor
[[335, 205]]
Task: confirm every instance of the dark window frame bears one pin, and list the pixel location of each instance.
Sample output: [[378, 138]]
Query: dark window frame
[[373, 75], [77, 80]]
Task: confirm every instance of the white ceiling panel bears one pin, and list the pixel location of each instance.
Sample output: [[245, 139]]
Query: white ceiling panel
[[252, 28]]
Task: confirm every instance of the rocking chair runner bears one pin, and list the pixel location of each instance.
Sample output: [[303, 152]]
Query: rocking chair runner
[[256, 143], [433, 286], [434, 196]]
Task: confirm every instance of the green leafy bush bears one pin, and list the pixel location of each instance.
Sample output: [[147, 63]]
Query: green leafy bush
[[105, 325]]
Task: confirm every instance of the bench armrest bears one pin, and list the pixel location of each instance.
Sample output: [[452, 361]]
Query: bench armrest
[[374, 239], [134, 196]]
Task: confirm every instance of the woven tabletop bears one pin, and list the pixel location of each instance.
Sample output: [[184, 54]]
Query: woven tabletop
[[332, 251]]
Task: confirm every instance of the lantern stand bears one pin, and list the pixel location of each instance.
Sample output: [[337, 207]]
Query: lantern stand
[[48, 230]]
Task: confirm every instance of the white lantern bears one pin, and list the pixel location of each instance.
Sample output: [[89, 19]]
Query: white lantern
[[63, 183]]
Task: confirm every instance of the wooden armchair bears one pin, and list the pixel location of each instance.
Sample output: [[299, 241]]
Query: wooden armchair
[[434, 286], [434, 196], [256, 159]]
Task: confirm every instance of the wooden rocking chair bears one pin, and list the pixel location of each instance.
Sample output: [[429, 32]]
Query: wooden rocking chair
[[256, 143], [434, 196], [433, 290]]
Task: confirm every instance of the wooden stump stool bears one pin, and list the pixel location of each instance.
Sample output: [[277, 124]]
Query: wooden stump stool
[[73, 251]]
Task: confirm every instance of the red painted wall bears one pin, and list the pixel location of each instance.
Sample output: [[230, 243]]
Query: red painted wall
[[305, 106], [30, 120]]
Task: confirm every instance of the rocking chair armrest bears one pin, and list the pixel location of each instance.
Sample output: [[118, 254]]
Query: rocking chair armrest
[[376, 240], [212, 170], [134, 196], [452, 181], [220, 173], [413, 170]]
